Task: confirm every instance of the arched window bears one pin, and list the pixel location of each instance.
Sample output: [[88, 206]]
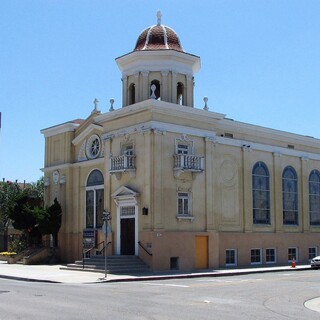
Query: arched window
[[94, 200], [290, 196], [132, 93], [180, 96], [314, 198], [155, 90], [261, 193]]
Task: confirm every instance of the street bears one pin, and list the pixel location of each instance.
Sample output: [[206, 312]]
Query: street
[[279, 295]]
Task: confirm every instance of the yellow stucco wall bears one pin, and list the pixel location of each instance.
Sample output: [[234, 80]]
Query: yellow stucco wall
[[221, 194]]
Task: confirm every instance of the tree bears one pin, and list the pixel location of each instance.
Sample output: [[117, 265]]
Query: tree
[[24, 209], [50, 221], [8, 192], [23, 216]]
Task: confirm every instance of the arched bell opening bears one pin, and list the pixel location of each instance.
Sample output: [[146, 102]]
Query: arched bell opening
[[132, 93], [155, 90], [180, 94]]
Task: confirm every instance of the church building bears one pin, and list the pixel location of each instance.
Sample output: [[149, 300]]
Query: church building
[[185, 188]]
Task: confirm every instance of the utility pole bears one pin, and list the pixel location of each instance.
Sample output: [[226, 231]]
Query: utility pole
[[106, 226]]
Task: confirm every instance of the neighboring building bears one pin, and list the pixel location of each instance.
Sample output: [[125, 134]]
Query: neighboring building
[[190, 186]]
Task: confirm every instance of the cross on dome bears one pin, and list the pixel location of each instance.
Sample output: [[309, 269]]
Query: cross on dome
[[159, 15]]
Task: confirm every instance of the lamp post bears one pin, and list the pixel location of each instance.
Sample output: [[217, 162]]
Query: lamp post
[[106, 221]]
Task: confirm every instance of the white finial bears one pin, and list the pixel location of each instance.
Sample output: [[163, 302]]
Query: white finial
[[111, 104], [95, 102], [159, 15], [205, 99], [153, 89]]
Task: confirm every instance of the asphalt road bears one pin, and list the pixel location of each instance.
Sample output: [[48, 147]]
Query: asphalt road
[[278, 295]]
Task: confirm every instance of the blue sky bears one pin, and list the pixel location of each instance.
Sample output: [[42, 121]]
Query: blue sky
[[260, 64]]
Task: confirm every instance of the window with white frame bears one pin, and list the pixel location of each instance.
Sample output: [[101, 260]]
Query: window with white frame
[[185, 158], [290, 196], [184, 203], [271, 255], [314, 198], [127, 149], [312, 252], [183, 148], [231, 257], [256, 256], [292, 254], [261, 193]]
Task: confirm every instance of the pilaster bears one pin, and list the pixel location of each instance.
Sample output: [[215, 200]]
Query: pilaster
[[157, 178], [277, 187], [189, 101], [145, 90], [209, 181], [136, 77], [247, 188], [148, 179], [173, 87], [107, 175], [124, 91], [165, 83], [304, 217]]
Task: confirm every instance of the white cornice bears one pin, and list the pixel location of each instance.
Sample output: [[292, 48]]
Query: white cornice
[[251, 129], [86, 132], [60, 128], [86, 163], [157, 60], [159, 106], [209, 117], [179, 129]]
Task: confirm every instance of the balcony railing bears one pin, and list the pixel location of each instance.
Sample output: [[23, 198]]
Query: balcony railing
[[187, 162], [122, 163]]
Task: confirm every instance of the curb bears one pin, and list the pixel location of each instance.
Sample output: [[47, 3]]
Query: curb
[[227, 273]]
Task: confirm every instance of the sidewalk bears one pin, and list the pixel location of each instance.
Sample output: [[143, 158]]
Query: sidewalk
[[59, 274]]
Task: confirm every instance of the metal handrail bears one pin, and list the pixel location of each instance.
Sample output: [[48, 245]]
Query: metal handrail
[[88, 250], [104, 247], [140, 244]]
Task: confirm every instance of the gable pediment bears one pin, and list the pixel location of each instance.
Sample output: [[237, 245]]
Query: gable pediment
[[125, 194], [86, 132]]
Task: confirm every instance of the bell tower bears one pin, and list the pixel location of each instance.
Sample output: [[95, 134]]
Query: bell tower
[[158, 68]]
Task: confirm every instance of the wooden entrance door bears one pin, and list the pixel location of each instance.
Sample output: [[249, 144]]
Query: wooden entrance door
[[201, 254], [127, 236]]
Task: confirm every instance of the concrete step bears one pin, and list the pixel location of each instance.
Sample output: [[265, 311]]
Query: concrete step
[[115, 264]]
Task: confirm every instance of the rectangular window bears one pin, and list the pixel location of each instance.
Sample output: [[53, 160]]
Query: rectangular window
[[231, 257], [256, 256], [183, 203], [127, 211], [292, 254], [270, 255], [182, 149], [312, 252], [128, 150]]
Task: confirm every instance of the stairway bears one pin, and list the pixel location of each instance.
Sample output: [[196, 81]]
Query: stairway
[[115, 265]]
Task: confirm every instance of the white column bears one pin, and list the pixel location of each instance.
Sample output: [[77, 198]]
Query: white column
[[145, 90], [173, 87], [124, 91], [189, 91], [164, 88]]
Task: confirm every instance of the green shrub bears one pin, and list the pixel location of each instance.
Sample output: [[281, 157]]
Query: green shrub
[[7, 254]]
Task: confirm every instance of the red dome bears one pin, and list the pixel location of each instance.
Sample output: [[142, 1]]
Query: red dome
[[158, 37]]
